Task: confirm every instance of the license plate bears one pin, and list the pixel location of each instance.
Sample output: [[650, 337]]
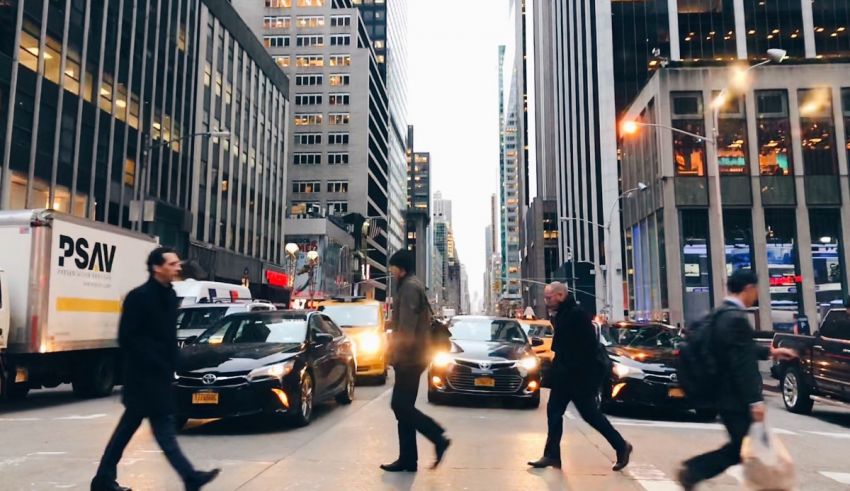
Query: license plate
[[676, 393], [485, 382], [205, 398]]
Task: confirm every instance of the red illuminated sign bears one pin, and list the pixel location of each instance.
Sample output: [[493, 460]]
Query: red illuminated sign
[[277, 279], [785, 280]]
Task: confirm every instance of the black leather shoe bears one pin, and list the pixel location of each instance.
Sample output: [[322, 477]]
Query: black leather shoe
[[399, 466], [201, 479], [544, 462], [98, 485], [623, 457], [687, 482], [441, 448]]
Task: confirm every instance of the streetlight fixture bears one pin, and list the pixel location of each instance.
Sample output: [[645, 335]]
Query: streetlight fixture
[[610, 266], [774, 55]]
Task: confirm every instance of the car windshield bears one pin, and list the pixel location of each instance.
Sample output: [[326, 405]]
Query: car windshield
[[353, 315], [648, 336], [537, 330], [200, 318], [487, 330], [256, 329]]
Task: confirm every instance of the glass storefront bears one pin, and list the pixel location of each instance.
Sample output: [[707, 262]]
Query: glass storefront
[[687, 115], [774, 133], [732, 147], [696, 264], [827, 257], [783, 267], [738, 235]]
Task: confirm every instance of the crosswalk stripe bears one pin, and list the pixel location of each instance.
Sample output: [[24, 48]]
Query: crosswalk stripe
[[842, 477], [684, 425], [830, 434], [651, 478]]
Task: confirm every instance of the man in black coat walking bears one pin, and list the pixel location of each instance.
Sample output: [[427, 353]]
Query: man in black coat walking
[[577, 375], [739, 392], [410, 350], [147, 335]]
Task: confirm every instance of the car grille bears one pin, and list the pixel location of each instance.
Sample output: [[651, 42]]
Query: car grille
[[490, 365], [666, 379], [197, 380], [507, 380]]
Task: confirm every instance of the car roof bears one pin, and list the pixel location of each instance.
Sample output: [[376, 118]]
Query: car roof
[[349, 300], [285, 314], [639, 324]]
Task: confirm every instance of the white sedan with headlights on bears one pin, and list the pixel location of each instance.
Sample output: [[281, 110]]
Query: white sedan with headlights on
[[490, 357]]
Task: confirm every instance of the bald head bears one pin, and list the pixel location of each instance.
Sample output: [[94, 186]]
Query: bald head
[[554, 295]]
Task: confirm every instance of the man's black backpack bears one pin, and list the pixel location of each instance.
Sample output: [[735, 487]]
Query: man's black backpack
[[698, 369]]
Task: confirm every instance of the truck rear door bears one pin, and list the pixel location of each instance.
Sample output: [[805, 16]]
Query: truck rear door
[[831, 354]]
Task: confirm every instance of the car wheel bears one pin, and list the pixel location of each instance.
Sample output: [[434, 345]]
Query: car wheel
[[347, 394], [302, 410], [796, 393]]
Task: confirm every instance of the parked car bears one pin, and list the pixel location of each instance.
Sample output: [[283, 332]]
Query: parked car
[[363, 322], [822, 372], [273, 362], [490, 356], [194, 320], [644, 358]]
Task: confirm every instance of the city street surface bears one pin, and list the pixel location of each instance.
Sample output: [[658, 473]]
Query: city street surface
[[53, 441]]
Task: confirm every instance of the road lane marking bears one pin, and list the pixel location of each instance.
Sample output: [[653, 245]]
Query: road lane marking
[[684, 425], [830, 434], [842, 477], [651, 478], [47, 453], [75, 417], [15, 420]]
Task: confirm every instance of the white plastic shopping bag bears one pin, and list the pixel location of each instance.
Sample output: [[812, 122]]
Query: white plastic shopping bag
[[766, 462]]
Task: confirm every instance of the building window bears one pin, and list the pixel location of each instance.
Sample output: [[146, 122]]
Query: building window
[[282, 61], [336, 158], [340, 60], [309, 79], [817, 132], [338, 118], [308, 119], [308, 138], [337, 79], [340, 39], [774, 133], [308, 99], [380, 44], [313, 61], [310, 40], [307, 158], [278, 4], [732, 137], [339, 99], [783, 267], [337, 186], [337, 207], [695, 261], [827, 255], [307, 187], [687, 115], [277, 22], [129, 172], [707, 30], [380, 58], [775, 24], [310, 21], [276, 41], [845, 106], [340, 20], [338, 139], [831, 21], [305, 208], [310, 3]]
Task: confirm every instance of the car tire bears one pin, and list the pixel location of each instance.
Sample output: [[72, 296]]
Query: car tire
[[707, 415], [796, 393], [347, 394], [94, 377], [302, 410], [10, 391]]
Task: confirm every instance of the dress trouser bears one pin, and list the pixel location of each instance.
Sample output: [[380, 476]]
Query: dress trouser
[[410, 419], [713, 463], [164, 430], [559, 399]]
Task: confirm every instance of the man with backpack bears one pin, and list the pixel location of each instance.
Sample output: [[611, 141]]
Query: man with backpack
[[578, 372], [725, 342], [410, 351]]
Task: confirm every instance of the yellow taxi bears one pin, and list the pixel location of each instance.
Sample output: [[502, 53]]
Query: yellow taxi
[[540, 328], [363, 321]]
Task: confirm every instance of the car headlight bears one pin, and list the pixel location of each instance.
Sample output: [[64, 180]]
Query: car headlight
[[278, 370], [369, 343], [529, 363], [441, 360], [625, 371]]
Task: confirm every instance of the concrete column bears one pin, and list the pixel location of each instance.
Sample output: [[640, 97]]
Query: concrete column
[[716, 243], [759, 229], [808, 28], [673, 21], [740, 30]]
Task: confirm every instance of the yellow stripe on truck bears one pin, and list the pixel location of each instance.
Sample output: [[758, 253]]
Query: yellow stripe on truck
[[70, 304]]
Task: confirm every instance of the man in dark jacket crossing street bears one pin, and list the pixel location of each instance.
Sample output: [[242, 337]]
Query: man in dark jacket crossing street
[[577, 375], [147, 335]]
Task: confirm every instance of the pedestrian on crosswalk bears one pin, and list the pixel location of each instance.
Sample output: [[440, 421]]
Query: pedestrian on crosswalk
[[738, 394], [411, 320], [577, 375]]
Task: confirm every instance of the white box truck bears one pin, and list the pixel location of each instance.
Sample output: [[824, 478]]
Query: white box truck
[[62, 282]]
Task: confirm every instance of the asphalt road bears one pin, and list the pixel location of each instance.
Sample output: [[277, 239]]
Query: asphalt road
[[53, 441]]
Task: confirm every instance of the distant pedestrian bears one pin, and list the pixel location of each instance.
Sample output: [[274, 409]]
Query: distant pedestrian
[[577, 376], [739, 392], [147, 335], [410, 351]]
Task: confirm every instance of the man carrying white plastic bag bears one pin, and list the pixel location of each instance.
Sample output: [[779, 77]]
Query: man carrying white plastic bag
[[766, 462]]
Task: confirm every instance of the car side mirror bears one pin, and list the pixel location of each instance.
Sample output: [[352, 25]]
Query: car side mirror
[[536, 341], [322, 338]]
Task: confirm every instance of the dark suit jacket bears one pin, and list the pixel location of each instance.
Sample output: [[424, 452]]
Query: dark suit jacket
[[411, 323], [147, 334], [575, 345], [737, 355]]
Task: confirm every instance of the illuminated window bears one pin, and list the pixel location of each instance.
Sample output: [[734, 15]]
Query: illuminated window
[[340, 60], [278, 4], [282, 61], [130, 172], [732, 138], [379, 44], [277, 22], [774, 133], [337, 79], [687, 115], [817, 132], [380, 59], [338, 118], [105, 98], [313, 61], [310, 21], [310, 3], [276, 41], [308, 119]]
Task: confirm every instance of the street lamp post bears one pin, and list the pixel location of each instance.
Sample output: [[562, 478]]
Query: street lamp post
[[312, 262], [141, 190]]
